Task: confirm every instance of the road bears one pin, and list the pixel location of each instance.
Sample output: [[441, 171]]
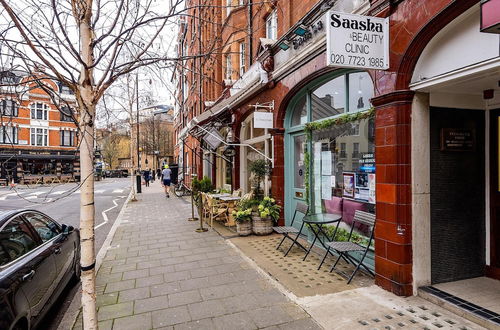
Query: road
[[62, 202]]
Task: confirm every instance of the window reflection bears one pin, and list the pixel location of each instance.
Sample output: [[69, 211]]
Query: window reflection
[[328, 99]]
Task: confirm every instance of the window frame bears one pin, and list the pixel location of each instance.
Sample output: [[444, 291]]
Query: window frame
[[62, 138], [229, 7], [272, 25], [229, 67], [14, 132], [44, 217], [44, 110], [320, 82], [34, 137], [64, 117], [242, 58], [14, 107]]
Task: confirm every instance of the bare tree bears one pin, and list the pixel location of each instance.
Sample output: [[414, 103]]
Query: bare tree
[[87, 46]]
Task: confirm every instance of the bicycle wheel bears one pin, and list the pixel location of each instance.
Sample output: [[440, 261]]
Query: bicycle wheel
[[179, 190]]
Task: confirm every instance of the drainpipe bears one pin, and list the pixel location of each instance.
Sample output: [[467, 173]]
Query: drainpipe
[[250, 32]]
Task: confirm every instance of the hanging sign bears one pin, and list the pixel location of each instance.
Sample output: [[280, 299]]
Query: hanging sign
[[213, 138], [356, 41], [263, 119]]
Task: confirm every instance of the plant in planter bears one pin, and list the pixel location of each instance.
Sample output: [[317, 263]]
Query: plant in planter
[[267, 215], [243, 221], [259, 168]]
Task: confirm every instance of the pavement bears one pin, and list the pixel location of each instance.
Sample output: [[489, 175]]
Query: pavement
[[158, 273]]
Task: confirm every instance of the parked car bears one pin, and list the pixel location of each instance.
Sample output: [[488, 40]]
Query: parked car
[[38, 258]]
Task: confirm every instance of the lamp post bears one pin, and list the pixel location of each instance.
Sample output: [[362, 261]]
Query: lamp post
[[138, 174]]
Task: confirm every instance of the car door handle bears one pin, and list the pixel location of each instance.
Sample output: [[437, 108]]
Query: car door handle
[[29, 275], [57, 250]]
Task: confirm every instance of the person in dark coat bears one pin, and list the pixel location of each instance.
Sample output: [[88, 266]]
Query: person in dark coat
[[147, 176]]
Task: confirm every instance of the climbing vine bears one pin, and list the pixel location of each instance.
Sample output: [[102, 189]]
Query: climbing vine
[[324, 125]]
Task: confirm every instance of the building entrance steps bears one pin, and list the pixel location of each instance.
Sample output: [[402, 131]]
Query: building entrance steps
[[159, 273]]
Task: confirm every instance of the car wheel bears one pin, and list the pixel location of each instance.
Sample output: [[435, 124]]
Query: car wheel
[[77, 271]]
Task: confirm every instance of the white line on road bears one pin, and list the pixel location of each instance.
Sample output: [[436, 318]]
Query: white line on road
[[58, 192], [100, 191], [104, 216], [5, 196], [36, 193], [117, 191]]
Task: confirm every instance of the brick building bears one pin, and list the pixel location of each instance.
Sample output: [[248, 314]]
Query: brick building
[[436, 208], [37, 137]]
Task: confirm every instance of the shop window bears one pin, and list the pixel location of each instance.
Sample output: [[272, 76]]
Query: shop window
[[343, 164], [67, 138], [299, 116], [299, 143], [360, 91], [272, 25], [9, 108], [328, 99], [39, 111], [9, 135], [66, 114], [39, 137]]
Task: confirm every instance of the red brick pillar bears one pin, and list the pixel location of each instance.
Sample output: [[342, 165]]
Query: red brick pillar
[[393, 260], [278, 172]]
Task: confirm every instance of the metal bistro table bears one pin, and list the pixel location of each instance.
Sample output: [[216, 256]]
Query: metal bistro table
[[319, 220]]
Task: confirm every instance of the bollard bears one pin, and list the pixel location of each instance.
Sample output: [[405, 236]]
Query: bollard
[[193, 218], [138, 182]]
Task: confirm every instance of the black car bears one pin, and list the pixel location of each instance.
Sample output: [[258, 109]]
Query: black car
[[38, 258]]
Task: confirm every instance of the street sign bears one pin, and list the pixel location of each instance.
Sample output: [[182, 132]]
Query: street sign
[[356, 41]]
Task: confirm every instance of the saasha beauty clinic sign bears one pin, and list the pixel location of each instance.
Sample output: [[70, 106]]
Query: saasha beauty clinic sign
[[356, 41]]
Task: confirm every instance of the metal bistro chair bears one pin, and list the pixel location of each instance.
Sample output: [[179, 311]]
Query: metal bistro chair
[[287, 230], [343, 248], [217, 210]]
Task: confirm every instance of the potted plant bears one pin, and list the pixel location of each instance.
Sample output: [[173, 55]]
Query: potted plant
[[259, 168], [267, 215], [243, 221]]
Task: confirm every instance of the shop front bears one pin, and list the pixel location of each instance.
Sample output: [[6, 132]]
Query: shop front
[[329, 146]]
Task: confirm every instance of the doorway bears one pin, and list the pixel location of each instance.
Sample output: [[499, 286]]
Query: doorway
[[493, 269], [457, 199]]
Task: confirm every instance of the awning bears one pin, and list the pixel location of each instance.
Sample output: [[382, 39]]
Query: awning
[[32, 156]]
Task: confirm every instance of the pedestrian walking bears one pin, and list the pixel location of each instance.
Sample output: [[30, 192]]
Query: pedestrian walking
[[158, 175], [165, 175], [147, 177]]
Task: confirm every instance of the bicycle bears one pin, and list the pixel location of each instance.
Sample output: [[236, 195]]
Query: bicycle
[[180, 189]]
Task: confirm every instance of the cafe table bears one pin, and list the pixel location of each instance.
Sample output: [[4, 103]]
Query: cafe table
[[316, 222], [231, 201]]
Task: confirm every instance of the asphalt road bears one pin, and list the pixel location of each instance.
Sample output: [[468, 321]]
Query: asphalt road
[[62, 203]]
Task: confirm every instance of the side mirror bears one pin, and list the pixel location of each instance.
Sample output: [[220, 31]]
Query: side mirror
[[67, 229]]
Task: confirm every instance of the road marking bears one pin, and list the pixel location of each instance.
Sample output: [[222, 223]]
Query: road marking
[[104, 216], [100, 191], [117, 191], [5, 196], [58, 192], [30, 197], [77, 191], [36, 193]]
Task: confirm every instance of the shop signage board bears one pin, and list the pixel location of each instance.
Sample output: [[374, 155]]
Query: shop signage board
[[263, 119], [490, 16], [457, 139], [356, 41], [213, 138]]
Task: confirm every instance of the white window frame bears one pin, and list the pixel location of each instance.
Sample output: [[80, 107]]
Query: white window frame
[[229, 67], [242, 58], [14, 108], [272, 25], [39, 106], [241, 2], [9, 138], [67, 138], [35, 132], [229, 4]]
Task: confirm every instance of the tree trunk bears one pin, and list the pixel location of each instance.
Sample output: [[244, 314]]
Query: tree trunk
[[87, 221], [86, 101]]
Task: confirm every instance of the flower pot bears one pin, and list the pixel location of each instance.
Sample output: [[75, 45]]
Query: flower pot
[[244, 228], [262, 226]]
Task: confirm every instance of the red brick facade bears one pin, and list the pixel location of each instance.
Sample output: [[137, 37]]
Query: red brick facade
[[412, 25]]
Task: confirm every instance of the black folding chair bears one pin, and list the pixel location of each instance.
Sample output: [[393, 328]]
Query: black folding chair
[[343, 248], [287, 230]]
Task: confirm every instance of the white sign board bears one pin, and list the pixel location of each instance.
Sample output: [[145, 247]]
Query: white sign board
[[356, 41], [263, 119]]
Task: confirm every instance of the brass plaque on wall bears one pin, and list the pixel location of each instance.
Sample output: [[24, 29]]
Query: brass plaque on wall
[[458, 139]]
